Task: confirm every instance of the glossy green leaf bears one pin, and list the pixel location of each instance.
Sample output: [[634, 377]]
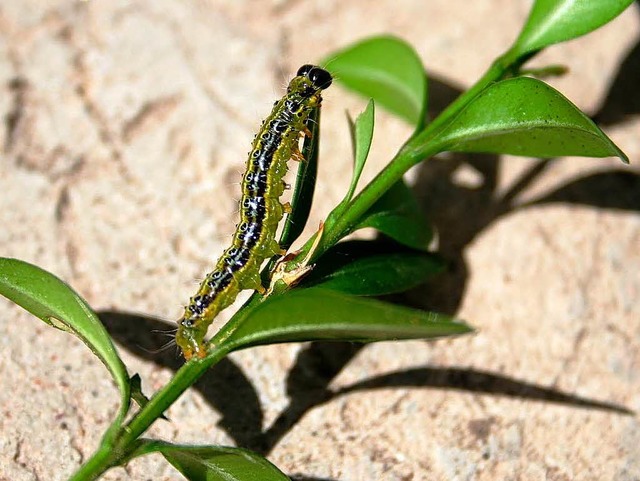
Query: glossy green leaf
[[362, 136], [386, 69], [525, 116], [366, 268], [304, 188], [397, 215], [52, 300], [554, 21], [217, 463], [321, 314]]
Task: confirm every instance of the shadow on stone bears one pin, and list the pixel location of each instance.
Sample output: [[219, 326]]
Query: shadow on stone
[[311, 478], [623, 97], [471, 380]]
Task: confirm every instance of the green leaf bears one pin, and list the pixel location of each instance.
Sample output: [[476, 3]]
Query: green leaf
[[302, 196], [217, 463], [525, 116], [52, 300], [321, 314], [397, 215], [554, 21], [137, 395], [386, 69], [362, 135], [365, 268]]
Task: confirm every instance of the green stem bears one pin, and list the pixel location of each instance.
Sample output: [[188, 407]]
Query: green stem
[[501, 68], [496, 71], [184, 378], [420, 147], [112, 453], [338, 227], [95, 466]]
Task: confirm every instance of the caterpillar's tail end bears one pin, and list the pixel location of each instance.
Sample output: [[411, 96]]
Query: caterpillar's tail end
[[200, 353], [189, 352]]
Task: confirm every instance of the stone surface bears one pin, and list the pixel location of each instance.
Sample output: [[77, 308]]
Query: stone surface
[[125, 126]]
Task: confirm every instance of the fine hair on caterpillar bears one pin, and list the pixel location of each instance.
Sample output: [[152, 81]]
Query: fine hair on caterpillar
[[260, 208]]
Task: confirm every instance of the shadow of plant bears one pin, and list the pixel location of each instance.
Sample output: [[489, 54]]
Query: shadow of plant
[[623, 100]]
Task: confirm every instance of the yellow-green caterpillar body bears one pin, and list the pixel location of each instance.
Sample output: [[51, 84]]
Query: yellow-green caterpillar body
[[260, 209]]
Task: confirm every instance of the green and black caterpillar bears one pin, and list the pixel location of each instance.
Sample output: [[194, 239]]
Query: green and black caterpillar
[[260, 208]]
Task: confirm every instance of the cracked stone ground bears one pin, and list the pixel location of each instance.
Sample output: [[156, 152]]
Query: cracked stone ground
[[125, 127]]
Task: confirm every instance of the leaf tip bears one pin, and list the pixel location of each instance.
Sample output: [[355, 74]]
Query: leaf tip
[[465, 327], [623, 157]]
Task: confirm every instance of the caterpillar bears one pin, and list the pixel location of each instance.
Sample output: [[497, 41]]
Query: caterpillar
[[260, 209]]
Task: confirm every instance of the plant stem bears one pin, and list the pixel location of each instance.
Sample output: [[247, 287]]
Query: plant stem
[[184, 378], [338, 227], [112, 453], [493, 74], [95, 466]]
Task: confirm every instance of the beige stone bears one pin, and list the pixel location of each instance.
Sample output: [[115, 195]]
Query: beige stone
[[125, 127]]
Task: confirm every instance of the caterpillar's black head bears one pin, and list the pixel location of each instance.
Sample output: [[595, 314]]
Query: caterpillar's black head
[[319, 77]]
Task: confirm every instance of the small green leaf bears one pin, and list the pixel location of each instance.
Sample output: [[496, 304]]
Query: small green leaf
[[137, 395], [52, 300], [397, 215], [321, 314], [554, 21], [525, 116], [386, 69], [216, 463], [362, 135], [365, 268]]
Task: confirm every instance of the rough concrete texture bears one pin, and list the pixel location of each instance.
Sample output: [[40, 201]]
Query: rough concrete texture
[[125, 126]]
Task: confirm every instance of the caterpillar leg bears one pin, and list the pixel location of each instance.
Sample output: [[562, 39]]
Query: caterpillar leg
[[306, 132], [254, 282], [256, 285], [274, 249], [297, 155]]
